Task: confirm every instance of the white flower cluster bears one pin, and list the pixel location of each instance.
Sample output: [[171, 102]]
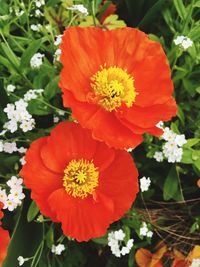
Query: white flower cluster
[[10, 147], [18, 116], [39, 4], [14, 198], [58, 51], [195, 263], [80, 8], [144, 183], [144, 231], [32, 94], [115, 240], [36, 28], [21, 260], [36, 60], [57, 250], [18, 12], [10, 88], [183, 42], [172, 149]]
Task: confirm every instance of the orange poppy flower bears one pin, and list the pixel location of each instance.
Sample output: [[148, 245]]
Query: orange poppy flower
[[117, 83], [79, 181], [4, 239], [144, 258]]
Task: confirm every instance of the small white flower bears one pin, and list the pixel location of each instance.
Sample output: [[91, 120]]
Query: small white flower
[[21, 105], [180, 140], [58, 40], [149, 234], [130, 243], [3, 195], [187, 42], [119, 235], [57, 250], [124, 251], [158, 156], [57, 54], [10, 88], [55, 119], [79, 8], [61, 112], [145, 183], [115, 240], [179, 40], [168, 134], [1, 146], [36, 60], [16, 195], [32, 94], [129, 150], [27, 125], [22, 161], [183, 42], [21, 260], [19, 12], [39, 3], [195, 263], [10, 205], [22, 150], [11, 125], [144, 229], [38, 13], [15, 182], [35, 28], [10, 147]]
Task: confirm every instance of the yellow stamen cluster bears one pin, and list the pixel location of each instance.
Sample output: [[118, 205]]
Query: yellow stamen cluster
[[81, 178], [112, 86]]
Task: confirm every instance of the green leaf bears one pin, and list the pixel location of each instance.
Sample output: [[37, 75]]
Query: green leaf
[[191, 142], [25, 240], [50, 237], [180, 8], [10, 55], [32, 211], [38, 108], [171, 185], [52, 88], [29, 52], [101, 240], [187, 156], [151, 14]]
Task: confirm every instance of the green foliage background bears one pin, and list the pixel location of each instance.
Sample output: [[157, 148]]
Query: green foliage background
[[174, 185]]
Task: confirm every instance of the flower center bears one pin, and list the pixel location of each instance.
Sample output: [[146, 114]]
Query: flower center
[[80, 178], [112, 86]]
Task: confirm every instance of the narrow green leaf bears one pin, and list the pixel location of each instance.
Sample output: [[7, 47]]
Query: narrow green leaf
[[52, 88], [29, 52], [191, 142], [25, 239], [32, 211], [180, 8], [171, 185], [10, 55]]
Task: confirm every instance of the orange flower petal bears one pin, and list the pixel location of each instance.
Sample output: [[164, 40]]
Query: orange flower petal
[[124, 187], [4, 235], [40, 179], [82, 219], [105, 125]]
